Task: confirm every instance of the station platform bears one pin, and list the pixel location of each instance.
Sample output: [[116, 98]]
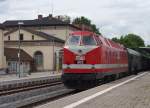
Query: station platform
[[12, 80], [129, 92]]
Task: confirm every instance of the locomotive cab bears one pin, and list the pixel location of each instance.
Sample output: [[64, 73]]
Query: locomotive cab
[[80, 48]]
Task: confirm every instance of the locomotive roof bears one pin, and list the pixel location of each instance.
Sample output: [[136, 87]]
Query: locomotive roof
[[83, 33], [104, 40]]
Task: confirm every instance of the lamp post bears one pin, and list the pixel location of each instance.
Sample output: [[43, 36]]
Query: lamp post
[[53, 42], [19, 25]]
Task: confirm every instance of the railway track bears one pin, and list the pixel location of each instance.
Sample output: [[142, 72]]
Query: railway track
[[27, 96], [17, 90]]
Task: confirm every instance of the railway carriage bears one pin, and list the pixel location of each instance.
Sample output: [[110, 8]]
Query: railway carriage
[[89, 57], [134, 61], [145, 63]]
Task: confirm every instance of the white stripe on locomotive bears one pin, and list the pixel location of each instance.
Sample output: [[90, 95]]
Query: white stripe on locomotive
[[96, 66]]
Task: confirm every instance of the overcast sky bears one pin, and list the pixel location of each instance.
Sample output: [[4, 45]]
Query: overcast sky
[[113, 17]]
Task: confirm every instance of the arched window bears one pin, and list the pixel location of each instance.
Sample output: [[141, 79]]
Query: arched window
[[38, 57]]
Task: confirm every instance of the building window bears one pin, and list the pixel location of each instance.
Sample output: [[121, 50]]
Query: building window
[[21, 37], [8, 37], [32, 37], [38, 57], [12, 66]]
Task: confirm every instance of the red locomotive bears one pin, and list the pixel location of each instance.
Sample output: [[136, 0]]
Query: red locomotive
[[89, 57]]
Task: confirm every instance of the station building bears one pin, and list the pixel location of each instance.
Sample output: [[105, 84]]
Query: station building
[[2, 57], [41, 38]]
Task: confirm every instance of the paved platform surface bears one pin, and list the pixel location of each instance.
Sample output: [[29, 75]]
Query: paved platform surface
[[7, 81], [12, 77], [129, 92]]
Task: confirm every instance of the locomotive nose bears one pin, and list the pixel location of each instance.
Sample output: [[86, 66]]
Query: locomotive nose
[[80, 50]]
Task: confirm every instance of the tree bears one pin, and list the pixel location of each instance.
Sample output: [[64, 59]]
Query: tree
[[133, 41], [87, 22], [115, 39], [82, 20], [130, 41], [95, 29], [148, 45]]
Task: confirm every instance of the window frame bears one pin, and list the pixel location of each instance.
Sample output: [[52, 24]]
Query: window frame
[[21, 37], [89, 44], [79, 42], [38, 58]]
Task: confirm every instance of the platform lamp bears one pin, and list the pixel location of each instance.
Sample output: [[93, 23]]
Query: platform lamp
[[19, 26]]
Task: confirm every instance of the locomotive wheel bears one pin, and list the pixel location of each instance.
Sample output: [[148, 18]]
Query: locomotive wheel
[[114, 77], [117, 76], [107, 79], [135, 71]]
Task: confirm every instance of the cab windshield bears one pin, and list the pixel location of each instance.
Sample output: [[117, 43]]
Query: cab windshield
[[81, 40], [73, 40], [88, 40]]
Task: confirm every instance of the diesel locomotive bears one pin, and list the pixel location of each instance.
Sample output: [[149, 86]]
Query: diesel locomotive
[[89, 58]]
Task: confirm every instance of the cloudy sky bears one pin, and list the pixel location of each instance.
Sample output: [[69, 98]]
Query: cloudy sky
[[113, 17]]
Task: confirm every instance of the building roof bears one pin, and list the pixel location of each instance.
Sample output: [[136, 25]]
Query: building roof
[[41, 34], [11, 31], [45, 35], [44, 21], [1, 26], [12, 55]]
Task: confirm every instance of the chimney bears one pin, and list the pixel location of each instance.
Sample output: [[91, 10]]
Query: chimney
[[59, 17], [40, 17], [50, 16]]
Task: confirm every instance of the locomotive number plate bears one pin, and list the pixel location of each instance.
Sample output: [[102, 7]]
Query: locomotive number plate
[[80, 62], [80, 58]]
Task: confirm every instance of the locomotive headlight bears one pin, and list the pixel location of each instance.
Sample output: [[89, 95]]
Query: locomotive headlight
[[80, 57], [68, 67], [93, 67]]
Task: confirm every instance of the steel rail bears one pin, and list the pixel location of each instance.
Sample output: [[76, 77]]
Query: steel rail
[[22, 89]]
